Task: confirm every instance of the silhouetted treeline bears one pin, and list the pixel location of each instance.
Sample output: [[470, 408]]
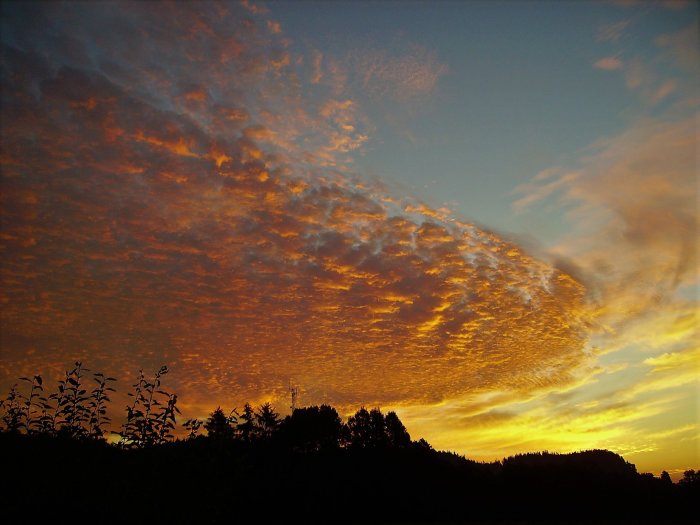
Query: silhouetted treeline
[[310, 466]]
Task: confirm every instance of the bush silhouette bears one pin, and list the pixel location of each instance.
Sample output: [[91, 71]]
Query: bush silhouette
[[149, 421]]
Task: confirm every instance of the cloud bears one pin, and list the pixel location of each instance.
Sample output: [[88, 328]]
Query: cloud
[[274, 27], [412, 72], [403, 73], [632, 207], [634, 216], [608, 64], [612, 32], [682, 48], [665, 89], [676, 5], [674, 69], [674, 360], [155, 212], [317, 61], [633, 422], [537, 190], [254, 8]]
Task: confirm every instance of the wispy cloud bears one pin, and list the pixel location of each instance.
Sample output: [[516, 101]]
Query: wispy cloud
[[665, 89], [537, 190], [632, 205], [634, 190], [612, 32], [682, 48], [608, 64], [678, 52]]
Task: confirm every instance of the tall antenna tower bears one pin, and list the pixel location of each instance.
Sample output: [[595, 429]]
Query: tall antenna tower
[[294, 391]]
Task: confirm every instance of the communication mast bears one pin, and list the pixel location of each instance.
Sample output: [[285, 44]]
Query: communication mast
[[294, 391]]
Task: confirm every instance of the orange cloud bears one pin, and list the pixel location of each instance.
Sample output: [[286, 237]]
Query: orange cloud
[[147, 228], [274, 27], [608, 64], [317, 74]]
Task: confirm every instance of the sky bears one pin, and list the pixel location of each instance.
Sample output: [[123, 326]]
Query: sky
[[482, 215]]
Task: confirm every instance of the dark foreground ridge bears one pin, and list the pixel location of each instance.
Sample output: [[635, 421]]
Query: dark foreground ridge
[[209, 480], [310, 467]]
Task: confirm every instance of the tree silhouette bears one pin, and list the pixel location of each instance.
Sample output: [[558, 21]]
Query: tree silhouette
[[337, 465], [377, 432], [313, 428], [422, 444], [359, 429], [397, 435], [374, 430], [246, 429], [267, 421], [690, 478], [219, 425]]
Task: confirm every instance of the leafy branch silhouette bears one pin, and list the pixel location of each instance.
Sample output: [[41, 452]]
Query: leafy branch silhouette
[[149, 421]]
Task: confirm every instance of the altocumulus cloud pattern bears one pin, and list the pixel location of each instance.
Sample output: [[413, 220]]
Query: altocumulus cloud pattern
[[177, 188]]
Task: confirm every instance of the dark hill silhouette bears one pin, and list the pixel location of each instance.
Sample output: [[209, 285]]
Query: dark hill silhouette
[[215, 480], [308, 467]]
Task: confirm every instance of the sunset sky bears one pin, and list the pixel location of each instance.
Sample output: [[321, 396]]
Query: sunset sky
[[482, 215]]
